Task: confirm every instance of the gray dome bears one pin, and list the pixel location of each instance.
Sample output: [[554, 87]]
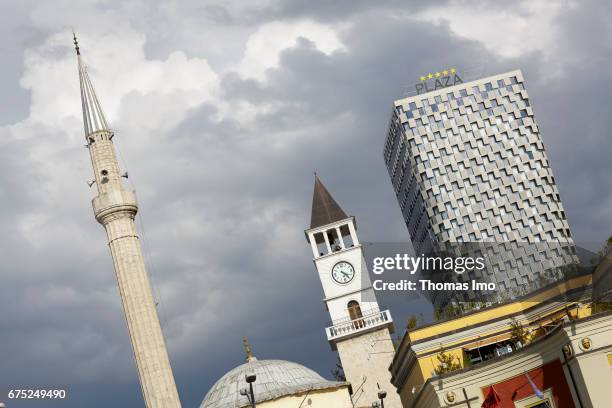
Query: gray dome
[[275, 378]]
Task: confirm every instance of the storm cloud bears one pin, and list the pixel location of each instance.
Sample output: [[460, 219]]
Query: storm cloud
[[222, 111]]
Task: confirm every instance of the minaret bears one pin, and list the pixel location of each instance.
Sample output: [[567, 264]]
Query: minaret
[[115, 208], [360, 330]]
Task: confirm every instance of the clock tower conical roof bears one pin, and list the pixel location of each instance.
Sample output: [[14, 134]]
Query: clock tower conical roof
[[325, 210]]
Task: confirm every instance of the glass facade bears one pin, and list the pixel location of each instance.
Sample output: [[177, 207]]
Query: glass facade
[[468, 165]]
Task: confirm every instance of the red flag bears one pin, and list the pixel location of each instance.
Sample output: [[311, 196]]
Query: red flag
[[492, 400]]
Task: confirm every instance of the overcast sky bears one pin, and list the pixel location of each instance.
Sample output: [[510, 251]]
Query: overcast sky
[[222, 111]]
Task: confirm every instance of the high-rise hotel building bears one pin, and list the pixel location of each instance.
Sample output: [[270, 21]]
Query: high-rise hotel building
[[468, 164]]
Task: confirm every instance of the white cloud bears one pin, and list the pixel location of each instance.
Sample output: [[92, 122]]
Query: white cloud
[[160, 91], [511, 31], [263, 47], [118, 67]]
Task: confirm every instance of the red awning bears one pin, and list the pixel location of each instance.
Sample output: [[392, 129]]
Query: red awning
[[492, 400]]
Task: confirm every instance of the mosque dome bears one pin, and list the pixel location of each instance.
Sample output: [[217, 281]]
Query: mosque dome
[[275, 379]]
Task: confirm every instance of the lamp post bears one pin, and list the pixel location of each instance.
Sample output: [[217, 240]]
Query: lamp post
[[250, 379], [381, 396]]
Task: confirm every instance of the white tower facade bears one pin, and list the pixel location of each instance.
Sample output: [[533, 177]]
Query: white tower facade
[[360, 331], [115, 208]]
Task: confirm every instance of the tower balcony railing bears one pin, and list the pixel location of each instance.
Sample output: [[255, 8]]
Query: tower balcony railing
[[364, 323], [114, 200]]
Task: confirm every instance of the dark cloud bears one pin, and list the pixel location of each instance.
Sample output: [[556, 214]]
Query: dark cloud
[[224, 201], [342, 10]]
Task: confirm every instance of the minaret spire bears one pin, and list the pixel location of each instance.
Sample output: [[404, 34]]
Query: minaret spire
[[76, 43], [115, 208], [93, 116]]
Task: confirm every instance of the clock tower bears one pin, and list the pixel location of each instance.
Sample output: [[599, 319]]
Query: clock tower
[[360, 331]]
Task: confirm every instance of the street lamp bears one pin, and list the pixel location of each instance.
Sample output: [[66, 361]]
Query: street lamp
[[381, 396], [250, 379]]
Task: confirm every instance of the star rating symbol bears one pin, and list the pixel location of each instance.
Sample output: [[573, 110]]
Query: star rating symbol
[[438, 74]]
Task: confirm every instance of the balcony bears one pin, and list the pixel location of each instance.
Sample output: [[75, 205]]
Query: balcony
[[367, 322], [113, 201]]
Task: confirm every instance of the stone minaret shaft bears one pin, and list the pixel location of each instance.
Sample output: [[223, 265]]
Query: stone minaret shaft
[[115, 208]]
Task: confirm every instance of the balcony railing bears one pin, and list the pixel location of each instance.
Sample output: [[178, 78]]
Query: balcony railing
[[366, 322]]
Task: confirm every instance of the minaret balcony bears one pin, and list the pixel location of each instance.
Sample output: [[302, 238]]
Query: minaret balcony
[[368, 322], [114, 201]]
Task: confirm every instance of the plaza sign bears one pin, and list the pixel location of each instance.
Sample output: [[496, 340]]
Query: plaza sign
[[438, 80]]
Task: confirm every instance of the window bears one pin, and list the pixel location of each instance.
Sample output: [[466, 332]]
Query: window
[[354, 310], [334, 240], [534, 401], [543, 404], [347, 238], [320, 242], [355, 314]]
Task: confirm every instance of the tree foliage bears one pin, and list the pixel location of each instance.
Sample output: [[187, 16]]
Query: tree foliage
[[519, 333], [447, 362], [338, 371], [414, 321]]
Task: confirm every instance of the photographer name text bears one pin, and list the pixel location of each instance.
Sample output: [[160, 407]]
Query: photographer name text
[[428, 285]]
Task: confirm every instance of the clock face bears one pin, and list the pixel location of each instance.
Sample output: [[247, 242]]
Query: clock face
[[343, 272]]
